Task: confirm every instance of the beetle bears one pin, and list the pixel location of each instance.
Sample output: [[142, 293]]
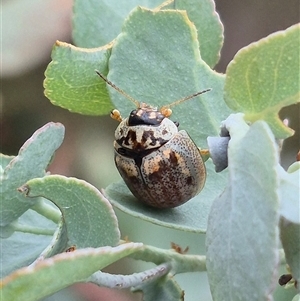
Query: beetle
[[161, 165]]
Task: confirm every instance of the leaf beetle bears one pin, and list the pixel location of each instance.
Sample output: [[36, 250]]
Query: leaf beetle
[[161, 165]]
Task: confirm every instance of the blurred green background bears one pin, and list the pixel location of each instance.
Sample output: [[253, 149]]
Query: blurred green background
[[29, 29]]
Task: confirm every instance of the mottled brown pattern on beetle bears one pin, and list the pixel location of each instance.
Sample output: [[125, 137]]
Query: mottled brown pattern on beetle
[[154, 140], [171, 184], [163, 165], [173, 158], [131, 139], [163, 180]]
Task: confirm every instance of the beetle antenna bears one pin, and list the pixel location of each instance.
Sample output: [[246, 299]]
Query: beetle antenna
[[118, 89], [166, 111], [186, 98]]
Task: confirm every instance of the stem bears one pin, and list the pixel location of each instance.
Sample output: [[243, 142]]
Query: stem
[[33, 230], [181, 263], [127, 281], [47, 211]]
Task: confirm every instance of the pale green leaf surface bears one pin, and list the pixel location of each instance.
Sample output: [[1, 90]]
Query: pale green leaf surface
[[156, 60], [87, 214], [163, 289], [290, 224], [264, 77], [209, 27], [242, 234], [294, 167], [50, 275], [8, 230], [31, 162], [290, 239], [296, 298], [191, 216], [237, 128], [58, 244], [96, 23], [21, 248], [72, 83], [4, 160], [290, 193], [67, 294]]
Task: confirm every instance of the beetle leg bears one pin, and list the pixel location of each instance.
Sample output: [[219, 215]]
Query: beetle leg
[[204, 154]]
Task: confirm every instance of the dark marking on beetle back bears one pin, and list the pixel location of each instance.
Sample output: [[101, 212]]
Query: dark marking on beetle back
[[149, 135], [173, 159], [155, 176], [189, 180], [130, 136]]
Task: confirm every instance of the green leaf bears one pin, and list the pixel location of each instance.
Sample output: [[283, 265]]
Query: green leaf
[[88, 216], [163, 289], [209, 27], [23, 247], [264, 77], [156, 60], [31, 162], [290, 239], [191, 216], [72, 83], [242, 233], [50, 275], [96, 23]]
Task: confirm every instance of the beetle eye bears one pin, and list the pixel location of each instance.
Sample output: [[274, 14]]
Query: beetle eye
[[145, 117]]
